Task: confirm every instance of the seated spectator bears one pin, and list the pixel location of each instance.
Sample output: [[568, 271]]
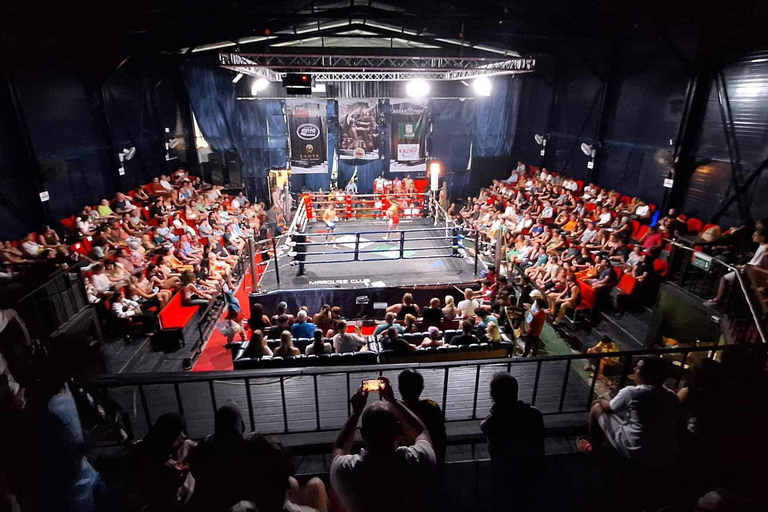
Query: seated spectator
[[641, 422], [319, 345], [358, 480], [410, 383], [759, 259], [652, 241], [302, 328], [324, 316], [606, 277], [158, 475], [466, 337], [286, 347], [409, 324], [104, 210], [536, 317], [515, 432], [123, 204], [84, 226], [493, 333], [261, 322], [467, 307], [433, 313], [191, 294], [48, 238], [485, 318], [282, 326], [30, 248], [128, 309], [389, 321], [449, 311], [634, 258], [407, 307], [567, 299], [282, 309], [257, 347], [348, 342], [391, 340], [434, 338]]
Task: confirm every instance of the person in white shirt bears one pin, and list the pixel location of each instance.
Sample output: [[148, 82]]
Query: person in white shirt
[[361, 481], [641, 421], [760, 260], [30, 248], [378, 185], [351, 187], [344, 341], [100, 280], [122, 307], [165, 183], [520, 168], [605, 218], [468, 306]]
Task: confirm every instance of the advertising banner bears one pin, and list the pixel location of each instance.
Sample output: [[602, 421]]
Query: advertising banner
[[307, 127], [409, 133], [359, 129]]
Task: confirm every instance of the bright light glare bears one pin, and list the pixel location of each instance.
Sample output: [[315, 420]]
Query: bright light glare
[[482, 86], [417, 88], [260, 84]]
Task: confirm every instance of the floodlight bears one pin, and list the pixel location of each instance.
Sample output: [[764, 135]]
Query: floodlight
[[417, 88], [259, 84], [482, 86]]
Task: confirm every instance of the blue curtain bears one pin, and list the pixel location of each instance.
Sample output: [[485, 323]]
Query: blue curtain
[[262, 144], [496, 118], [367, 171], [214, 102], [452, 135]]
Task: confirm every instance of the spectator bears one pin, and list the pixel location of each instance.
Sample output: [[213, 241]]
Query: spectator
[[30, 248], [433, 313], [485, 318], [606, 277], [276, 330], [493, 333], [323, 318], [434, 338], [257, 347], [449, 311], [348, 342], [286, 347], [410, 383], [641, 423], [260, 321], [407, 307], [191, 294], [391, 340], [410, 324], [467, 306], [282, 309], [104, 209], [536, 318], [302, 328], [515, 432], [759, 260], [466, 337], [319, 346], [383, 478], [48, 239], [389, 321], [653, 240]]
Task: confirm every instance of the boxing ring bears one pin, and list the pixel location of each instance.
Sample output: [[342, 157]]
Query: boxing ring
[[424, 251]]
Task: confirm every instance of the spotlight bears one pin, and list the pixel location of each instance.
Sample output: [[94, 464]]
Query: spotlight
[[482, 86], [417, 88], [260, 84], [237, 78]]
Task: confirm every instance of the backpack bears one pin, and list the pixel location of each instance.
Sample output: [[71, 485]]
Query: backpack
[[233, 303]]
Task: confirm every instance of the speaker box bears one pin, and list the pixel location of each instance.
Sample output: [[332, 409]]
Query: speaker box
[[206, 169], [218, 172], [168, 340], [233, 168]]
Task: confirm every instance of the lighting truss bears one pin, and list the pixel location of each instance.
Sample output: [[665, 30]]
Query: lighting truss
[[373, 68]]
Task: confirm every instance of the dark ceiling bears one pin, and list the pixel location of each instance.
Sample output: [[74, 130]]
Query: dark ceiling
[[103, 34]]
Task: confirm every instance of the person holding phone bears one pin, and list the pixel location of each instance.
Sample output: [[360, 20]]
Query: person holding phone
[[384, 477]]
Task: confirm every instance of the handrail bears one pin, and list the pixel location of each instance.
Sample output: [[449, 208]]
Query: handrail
[[127, 379], [742, 285]]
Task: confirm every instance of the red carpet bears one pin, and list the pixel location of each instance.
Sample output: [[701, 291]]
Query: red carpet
[[214, 356]]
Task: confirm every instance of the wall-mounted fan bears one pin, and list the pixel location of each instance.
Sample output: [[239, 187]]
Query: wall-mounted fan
[[127, 153], [588, 150], [664, 159], [541, 140]]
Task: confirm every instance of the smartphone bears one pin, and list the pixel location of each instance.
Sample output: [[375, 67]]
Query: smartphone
[[373, 385]]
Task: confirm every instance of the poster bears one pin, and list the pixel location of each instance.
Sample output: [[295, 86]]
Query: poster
[[307, 128], [409, 133], [359, 129]]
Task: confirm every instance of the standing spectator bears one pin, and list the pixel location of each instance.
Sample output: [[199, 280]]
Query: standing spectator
[[641, 422], [302, 328], [536, 318], [383, 478], [410, 383], [515, 432], [760, 260]]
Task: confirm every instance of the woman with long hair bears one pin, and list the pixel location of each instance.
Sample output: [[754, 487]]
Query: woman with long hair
[[319, 345], [257, 347], [191, 294], [449, 311], [286, 348], [492, 332]]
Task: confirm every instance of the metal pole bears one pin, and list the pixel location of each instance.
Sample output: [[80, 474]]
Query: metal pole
[[277, 266], [477, 248], [402, 244], [357, 247], [252, 259]]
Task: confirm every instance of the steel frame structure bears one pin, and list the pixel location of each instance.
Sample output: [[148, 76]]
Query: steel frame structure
[[373, 68]]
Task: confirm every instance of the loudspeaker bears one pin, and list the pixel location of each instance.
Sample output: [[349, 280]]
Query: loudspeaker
[[218, 172], [233, 168], [168, 340], [206, 169]]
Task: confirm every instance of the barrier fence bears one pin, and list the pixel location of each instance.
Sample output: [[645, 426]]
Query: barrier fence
[[315, 399]]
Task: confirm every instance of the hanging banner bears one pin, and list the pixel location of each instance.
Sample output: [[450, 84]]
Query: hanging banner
[[409, 135], [359, 129], [308, 135]]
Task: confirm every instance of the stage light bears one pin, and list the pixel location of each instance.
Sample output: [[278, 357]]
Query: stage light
[[237, 78], [435, 169], [417, 88], [482, 86], [320, 88], [260, 84]]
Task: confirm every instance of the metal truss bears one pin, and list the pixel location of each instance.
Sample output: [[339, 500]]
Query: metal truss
[[367, 68]]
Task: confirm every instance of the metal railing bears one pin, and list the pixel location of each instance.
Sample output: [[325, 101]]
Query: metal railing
[[315, 399], [700, 274]]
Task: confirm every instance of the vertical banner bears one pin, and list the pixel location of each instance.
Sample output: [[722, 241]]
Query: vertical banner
[[409, 135], [359, 129], [307, 128]]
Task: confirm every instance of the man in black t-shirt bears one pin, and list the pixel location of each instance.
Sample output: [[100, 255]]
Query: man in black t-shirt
[[410, 384], [466, 337], [393, 341], [434, 313]]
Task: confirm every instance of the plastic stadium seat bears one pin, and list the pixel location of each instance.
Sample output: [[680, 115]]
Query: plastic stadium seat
[[707, 226], [626, 284], [661, 267], [625, 199], [694, 225], [635, 227], [641, 233], [590, 207]]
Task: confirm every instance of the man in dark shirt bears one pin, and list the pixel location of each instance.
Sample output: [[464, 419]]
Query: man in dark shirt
[[411, 383], [434, 313], [157, 211], [277, 330], [515, 432], [466, 337], [394, 342], [606, 277]]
